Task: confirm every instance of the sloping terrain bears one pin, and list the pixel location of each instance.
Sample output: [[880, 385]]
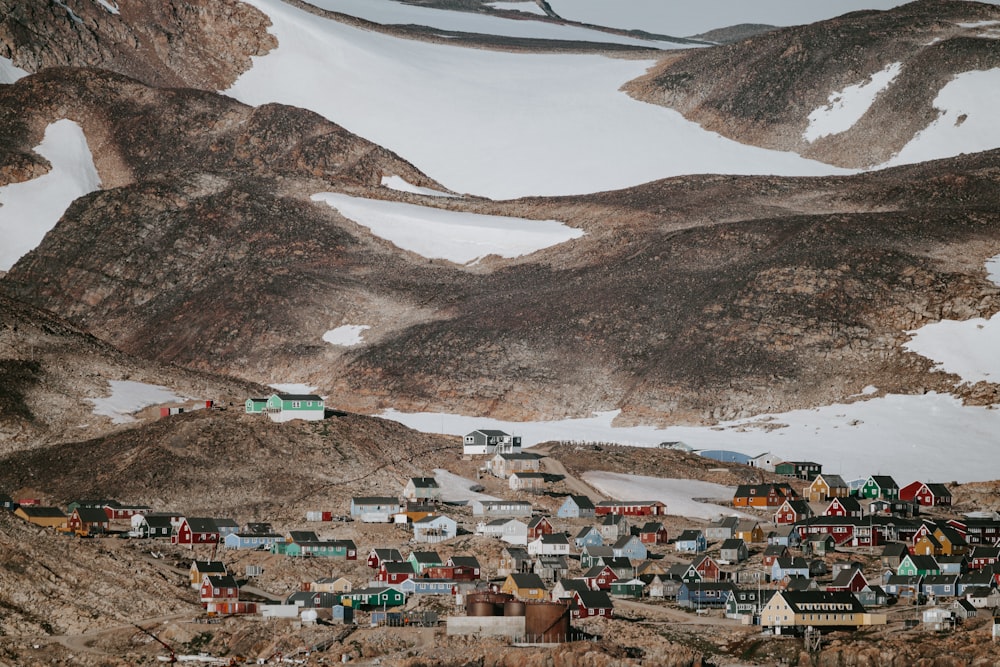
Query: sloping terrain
[[763, 90]]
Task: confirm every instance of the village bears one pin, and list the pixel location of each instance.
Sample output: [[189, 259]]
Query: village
[[526, 558]]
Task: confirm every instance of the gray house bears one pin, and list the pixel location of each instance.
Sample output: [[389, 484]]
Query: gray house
[[576, 507], [734, 550]]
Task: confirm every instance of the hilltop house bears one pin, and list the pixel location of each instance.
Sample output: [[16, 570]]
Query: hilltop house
[[489, 441], [374, 509], [286, 407]]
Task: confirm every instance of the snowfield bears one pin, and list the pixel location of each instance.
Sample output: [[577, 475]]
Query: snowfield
[[452, 235], [128, 397], [346, 335], [29, 210], [678, 494], [9, 72], [293, 388], [496, 124], [456, 488], [846, 107]]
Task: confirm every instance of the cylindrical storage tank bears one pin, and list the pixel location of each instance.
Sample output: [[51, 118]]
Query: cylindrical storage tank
[[479, 609], [546, 622], [513, 608]]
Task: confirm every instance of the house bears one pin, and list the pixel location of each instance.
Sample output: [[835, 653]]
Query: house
[[820, 545], [789, 567], [427, 586], [892, 555], [459, 568], [589, 536], [653, 532], [600, 577], [196, 530], [978, 530], [872, 596], [374, 509], [510, 531], [341, 549], [598, 555], [939, 585], [898, 508], [47, 517], [394, 573], [951, 541], [505, 464], [707, 568], [313, 599], [734, 550], [848, 579], [793, 511], [691, 540], [765, 461], [338, 585], [881, 487], [971, 580], [374, 597], [554, 544], [539, 526], [631, 547], [255, 406], [591, 603], [628, 588], [527, 481], [286, 407], [422, 489], [807, 470], [827, 486], [551, 568], [784, 536], [704, 594], [378, 556], [926, 494], [434, 529], [952, 564], [983, 597], [983, 556], [746, 601], [88, 521], [216, 589], [762, 495], [613, 526], [252, 540], [421, 560], [152, 526], [749, 531], [963, 609], [903, 586], [722, 529], [524, 586], [844, 507], [773, 552], [513, 559], [918, 565], [226, 526], [501, 508], [794, 609], [937, 619], [490, 441], [576, 507], [565, 588], [203, 568], [631, 508]]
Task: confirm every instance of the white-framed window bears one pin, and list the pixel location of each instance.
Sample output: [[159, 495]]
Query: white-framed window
[[296, 404]]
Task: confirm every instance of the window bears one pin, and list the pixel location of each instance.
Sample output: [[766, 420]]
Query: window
[[296, 404]]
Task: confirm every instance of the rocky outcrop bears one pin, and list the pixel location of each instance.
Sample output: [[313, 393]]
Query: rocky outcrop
[[762, 90]]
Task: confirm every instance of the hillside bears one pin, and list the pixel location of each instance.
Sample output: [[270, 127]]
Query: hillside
[[771, 90]]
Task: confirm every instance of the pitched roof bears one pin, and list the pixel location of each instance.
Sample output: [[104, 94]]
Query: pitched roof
[[733, 543], [554, 538], [424, 482], [833, 481], [884, 481], [303, 536], [201, 524], [426, 557], [40, 512], [527, 580], [583, 502], [464, 561], [374, 500], [221, 581], [939, 490], [490, 432], [209, 566], [800, 601], [688, 535], [594, 599], [571, 585], [91, 515], [299, 397]]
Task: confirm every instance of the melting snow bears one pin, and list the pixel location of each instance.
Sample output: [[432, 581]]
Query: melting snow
[[29, 210], [529, 7], [398, 183], [454, 487], [848, 106], [346, 335], [678, 494], [128, 397], [456, 236], [9, 72], [967, 122], [293, 388], [111, 7]]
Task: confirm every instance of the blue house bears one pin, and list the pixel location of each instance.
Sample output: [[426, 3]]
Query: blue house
[[631, 547], [691, 540], [939, 585], [704, 594], [576, 507], [588, 537], [789, 567], [251, 540], [422, 586]]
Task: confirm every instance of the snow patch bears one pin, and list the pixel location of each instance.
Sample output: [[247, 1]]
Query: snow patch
[[993, 270], [529, 7], [847, 106], [293, 388], [346, 335], [128, 397], [398, 183], [452, 235], [894, 434], [110, 6], [978, 24], [29, 210], [9, 72], [966, 124], [455, 487], [678, 494]]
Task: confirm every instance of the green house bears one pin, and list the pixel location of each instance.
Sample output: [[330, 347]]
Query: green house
[[376, 596], [255, 406], [286, 407], [880, 486], [923, 566], [631, 588], [342, 549]]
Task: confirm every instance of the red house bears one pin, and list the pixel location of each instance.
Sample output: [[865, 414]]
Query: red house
[[926, 494], [600, 577], [850, 579], [984, 556], [631, 508], [116, 511], [196, 530], [844, 507], [793, 511], [539, 526], [87, 521], [394, 573], [592, 603], [219, 589], [378, 556], [707, 568], [653, 532]]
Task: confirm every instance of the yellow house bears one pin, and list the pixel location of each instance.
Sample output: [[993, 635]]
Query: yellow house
[[526, 586], [205, 568], [331, 585], [952, 542], [827, 486], [749, 531], [48, 517], [790, 609]]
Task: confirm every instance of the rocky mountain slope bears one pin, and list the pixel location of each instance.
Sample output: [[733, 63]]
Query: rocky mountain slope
[[763, 89], [691, 299]]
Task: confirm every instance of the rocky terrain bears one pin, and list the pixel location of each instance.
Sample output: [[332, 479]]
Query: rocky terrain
[[802, 66]]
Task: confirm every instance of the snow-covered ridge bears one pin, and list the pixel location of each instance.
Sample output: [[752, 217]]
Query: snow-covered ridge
[[846, 107], [29, 210], [452, 235], [128, 397]]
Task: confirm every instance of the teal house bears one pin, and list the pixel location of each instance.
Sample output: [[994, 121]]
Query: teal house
[[880, 486], [376, 596], [255, 406], [286, 407]]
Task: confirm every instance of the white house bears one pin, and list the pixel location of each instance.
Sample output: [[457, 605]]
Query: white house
[[490, 441], [555, 544], [527, 481], [501, 508], [510, 531], [435, 528]]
